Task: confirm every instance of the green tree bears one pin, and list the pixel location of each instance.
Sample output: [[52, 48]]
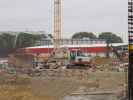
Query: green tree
[[6, 41], [110, 37], [26, 40], [81, 35], [10, 41], [50, 35]]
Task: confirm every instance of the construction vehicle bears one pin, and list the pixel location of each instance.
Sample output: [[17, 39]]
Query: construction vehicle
[[123, 56], [71, 59], [79, 60]]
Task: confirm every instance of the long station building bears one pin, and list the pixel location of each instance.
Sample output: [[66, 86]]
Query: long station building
[[90, 47]]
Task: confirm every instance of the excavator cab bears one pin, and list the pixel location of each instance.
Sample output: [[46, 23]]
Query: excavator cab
[[79, 59]]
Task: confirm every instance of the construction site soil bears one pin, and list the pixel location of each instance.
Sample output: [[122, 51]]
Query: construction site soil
[[23, 87]]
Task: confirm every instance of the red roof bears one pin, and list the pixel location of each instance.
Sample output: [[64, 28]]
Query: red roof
[[84, 49]]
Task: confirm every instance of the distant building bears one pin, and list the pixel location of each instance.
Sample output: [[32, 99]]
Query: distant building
[[49, 41], [93, 48]]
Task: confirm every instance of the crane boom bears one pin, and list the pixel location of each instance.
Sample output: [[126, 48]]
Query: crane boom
[[57, 27]]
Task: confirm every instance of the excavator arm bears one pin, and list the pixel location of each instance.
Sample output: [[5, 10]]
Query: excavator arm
[[115, 51]]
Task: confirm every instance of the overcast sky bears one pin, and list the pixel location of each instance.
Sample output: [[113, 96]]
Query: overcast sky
[[78, 15]]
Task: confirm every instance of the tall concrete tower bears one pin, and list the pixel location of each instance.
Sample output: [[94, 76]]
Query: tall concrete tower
[[57, 23]]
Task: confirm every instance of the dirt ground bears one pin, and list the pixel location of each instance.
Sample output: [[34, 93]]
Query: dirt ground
[[21, 87]]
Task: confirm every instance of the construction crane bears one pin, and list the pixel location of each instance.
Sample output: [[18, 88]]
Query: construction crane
[[57, 23], [58, 52]]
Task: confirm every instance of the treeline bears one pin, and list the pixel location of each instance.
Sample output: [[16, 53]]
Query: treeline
[[23, 39], [107, 36], [9, 42], [12, 41], [19, 40]]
